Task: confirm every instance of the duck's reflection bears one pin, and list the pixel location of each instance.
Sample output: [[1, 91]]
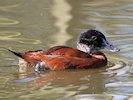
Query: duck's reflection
[[91, 79]]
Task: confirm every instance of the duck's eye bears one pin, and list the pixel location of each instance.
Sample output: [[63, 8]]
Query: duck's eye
[[93, 38]]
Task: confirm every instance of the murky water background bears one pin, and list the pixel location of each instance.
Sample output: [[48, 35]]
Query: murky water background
[[40, 24]]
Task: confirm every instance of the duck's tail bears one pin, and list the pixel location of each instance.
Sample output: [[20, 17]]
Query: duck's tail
[[16, 53]]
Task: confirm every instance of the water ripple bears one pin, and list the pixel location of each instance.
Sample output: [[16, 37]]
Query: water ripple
[[7, 21], [14, 36], [114, 16], [119, 84], [8, 7]]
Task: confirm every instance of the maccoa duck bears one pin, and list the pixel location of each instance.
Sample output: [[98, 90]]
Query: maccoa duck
[[87, 54]]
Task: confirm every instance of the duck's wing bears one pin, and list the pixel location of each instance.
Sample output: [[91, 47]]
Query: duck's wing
[[70, 62]]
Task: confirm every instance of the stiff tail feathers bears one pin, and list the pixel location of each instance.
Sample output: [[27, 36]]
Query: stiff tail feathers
[[16, 53]]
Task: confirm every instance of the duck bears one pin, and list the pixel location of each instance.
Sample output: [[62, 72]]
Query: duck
[[87, 55]]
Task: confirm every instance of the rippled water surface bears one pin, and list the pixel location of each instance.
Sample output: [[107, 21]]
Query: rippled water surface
[[40, 24]]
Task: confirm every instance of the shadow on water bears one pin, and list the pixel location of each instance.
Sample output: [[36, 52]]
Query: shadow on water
[[30, 25]]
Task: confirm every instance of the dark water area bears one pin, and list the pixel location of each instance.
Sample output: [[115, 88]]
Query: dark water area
[[41, 24]]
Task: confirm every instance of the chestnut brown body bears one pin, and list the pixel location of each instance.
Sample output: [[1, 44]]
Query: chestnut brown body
[[60, 58]]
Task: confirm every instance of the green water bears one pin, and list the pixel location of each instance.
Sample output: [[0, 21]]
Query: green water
[[41, 24]]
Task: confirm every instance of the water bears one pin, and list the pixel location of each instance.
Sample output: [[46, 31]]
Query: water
[[32, 24]]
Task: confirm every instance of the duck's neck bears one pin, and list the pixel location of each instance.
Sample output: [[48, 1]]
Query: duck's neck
[[92, 52], [84, 48], [99, 55]]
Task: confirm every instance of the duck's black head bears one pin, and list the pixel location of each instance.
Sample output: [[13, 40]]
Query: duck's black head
[[93, 40]]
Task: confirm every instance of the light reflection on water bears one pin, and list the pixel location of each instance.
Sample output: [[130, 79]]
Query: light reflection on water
[[62, 18], [6, 21], [30, 25], [11, 36]]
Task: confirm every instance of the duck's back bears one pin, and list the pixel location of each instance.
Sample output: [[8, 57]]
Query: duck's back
[[67, 51]]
